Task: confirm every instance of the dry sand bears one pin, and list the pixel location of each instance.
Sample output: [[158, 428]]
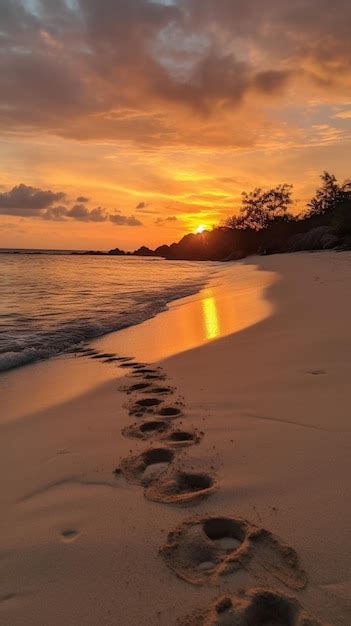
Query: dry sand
[[252, 376]]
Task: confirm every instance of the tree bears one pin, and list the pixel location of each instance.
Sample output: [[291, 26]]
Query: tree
[[259, 207], [329, 195]]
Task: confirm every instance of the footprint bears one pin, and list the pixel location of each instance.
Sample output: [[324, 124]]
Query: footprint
[[203, 549], [169, 411], [146, 429], [147, 466], [147, 402], [131, 364], [154, 376], [144, 405], [161, 390], [180, 487], [85, 351], [69, 534], [253, 607], [317, 372], [138, 387], [183, 438], [145, 370]]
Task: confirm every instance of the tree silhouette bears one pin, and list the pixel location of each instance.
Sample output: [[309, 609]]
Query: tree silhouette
[[329, 195], [259, 207]]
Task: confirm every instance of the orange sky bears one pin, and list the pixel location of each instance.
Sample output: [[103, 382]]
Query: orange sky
[[129, 123]]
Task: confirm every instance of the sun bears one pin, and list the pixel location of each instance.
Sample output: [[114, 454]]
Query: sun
[[200, 229]]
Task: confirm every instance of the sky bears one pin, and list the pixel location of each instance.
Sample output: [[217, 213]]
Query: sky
[[131, 122]]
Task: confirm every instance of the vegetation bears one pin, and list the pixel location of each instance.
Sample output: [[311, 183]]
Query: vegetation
[[259, 208], [265, 225], [329, 196]]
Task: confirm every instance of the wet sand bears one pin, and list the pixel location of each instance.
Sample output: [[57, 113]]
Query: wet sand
[[204, 480]]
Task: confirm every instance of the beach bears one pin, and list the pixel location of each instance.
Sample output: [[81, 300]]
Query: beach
[[254, 369]]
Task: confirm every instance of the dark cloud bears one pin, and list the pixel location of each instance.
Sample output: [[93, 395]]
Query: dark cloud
[[82, 199], [141, 205], [144, 71], [55, 213], [124, 220], [27, 201], [24, 200], [162, 220], [80, 212], [271, 81]]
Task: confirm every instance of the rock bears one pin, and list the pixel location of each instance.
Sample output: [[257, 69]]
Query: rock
[[320, 238]]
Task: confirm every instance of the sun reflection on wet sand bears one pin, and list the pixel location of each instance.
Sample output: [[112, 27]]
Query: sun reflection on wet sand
[[210, 315], [234, 301]]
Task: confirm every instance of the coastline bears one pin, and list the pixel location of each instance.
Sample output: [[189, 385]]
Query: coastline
[[108, 296], [264, 374]]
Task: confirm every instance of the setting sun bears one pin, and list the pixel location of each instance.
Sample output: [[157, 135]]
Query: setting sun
[[200, 229]]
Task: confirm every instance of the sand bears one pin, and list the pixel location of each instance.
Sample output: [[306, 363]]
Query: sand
[[236, 509]]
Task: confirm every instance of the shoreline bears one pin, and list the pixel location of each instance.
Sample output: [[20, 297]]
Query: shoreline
[[69, 331], [185, 323], [269, 392]]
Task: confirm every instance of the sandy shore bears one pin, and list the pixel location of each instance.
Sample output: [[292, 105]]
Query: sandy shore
[[255, 372]]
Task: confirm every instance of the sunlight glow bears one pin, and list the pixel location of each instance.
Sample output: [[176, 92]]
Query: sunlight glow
[[200, 229]]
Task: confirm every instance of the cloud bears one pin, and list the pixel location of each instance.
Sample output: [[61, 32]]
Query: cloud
[[141, 205], [123, 220], [165, 73], [162, 220], [80, 212], [82, 199], [26, 201], [55, 213]]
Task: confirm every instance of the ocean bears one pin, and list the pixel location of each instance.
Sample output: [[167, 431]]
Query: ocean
[[50, 303]]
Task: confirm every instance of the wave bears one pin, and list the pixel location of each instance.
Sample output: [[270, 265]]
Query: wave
[[44, 344]]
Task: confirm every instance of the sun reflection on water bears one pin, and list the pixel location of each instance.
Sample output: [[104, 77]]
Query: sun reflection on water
[[210, 315]]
